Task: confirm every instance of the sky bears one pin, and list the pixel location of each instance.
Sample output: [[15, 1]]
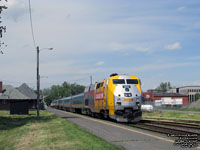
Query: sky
[[157, 41]]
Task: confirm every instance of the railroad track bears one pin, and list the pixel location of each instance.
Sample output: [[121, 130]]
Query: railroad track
[[169, 128], [175, 120]]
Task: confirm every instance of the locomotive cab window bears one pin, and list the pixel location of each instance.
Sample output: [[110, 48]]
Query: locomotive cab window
[[118, 81], [132, 81], [98, 86]]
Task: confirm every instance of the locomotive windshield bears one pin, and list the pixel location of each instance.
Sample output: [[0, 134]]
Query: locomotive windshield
[[132, 81], [118, 81]]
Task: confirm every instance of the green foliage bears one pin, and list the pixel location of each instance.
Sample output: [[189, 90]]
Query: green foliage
[[59, 91], [197, 96], [163, 87]]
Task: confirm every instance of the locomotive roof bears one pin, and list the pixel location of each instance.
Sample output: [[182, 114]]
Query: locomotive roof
[[123, 75]]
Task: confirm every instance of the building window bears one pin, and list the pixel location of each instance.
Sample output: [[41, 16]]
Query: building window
[[192, 99], [189, 98]]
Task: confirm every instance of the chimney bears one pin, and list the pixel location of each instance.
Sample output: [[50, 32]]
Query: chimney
[[1, 87]]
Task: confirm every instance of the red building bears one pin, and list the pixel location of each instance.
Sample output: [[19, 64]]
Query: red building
[[151, 97]]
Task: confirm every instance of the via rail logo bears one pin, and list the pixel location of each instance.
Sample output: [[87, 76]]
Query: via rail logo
[[99, 96]]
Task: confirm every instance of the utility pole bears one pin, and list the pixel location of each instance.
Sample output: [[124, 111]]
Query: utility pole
[[38, 85], [38, 79], [90, 79]]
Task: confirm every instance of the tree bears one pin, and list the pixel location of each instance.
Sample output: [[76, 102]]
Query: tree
[[2, 28], [197, 96], [163, 87], [60, 91]]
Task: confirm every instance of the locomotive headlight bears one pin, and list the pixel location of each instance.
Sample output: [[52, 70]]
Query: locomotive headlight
[[127, 94]]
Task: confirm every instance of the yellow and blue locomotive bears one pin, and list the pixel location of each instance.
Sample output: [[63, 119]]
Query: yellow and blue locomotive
[[118, 98]]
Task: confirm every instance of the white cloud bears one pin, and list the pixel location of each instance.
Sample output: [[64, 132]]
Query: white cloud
[[153, 67], [100, 63], [122, 47], [180, 8], [145, 68], [174, 46]]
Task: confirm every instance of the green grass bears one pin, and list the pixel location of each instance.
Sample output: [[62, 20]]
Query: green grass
[[24, 132], [182, 109], [171, 115]]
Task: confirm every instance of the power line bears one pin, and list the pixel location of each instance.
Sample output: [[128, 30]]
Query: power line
[[53, 83], [31, 23], [17, 82]]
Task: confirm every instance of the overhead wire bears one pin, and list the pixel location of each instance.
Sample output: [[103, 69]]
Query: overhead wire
[[33, 37], [31, 24], [19, 82]]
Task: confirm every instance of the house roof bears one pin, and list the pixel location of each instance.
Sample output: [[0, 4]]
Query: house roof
[[189, 86], [12, 93], [27, 91], [169, 94]]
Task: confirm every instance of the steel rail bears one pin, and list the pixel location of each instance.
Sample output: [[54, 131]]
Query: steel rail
[[174, 124], [175, 120], [168, 127]]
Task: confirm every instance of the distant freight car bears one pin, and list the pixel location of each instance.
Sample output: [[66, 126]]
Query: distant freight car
[[118, 97]]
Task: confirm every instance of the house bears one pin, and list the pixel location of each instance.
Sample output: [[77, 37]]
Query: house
[[10, 95]]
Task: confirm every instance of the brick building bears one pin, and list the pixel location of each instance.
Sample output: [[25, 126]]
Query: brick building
[[152, 97]]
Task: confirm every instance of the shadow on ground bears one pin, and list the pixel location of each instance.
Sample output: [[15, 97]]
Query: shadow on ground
[[10, 122]]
